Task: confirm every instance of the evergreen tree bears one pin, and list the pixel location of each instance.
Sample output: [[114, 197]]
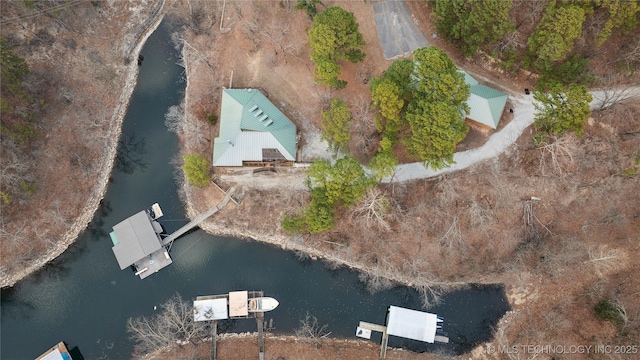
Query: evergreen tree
[[386, 97], [327, 72], [436, 113], [342, 184], [436, 129], [334, 36], [308, 6], [383, 164], [438, 79], [473, 23], [553, 39], [622, 14], [562, 109], [335, 126]]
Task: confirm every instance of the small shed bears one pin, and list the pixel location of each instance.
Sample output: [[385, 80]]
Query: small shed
[[486, 104]]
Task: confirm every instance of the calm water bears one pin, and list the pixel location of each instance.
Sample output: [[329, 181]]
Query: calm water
[[84, 299]]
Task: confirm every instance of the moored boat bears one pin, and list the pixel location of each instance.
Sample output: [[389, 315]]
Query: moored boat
[[262, 304]]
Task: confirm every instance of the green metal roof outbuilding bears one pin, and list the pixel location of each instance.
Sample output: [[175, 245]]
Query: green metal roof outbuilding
[[250, 125], [486, 104]]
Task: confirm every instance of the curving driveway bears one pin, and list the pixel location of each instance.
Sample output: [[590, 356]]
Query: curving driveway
[[498, 142], [524, 113]]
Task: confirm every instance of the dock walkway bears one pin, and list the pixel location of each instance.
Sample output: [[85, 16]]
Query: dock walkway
[[200, 218]]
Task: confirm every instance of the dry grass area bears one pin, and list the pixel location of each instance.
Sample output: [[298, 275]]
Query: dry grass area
[[79, 57], [558, 256], [277, 347]]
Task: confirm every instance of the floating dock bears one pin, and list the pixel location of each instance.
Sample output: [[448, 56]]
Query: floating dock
[[137, 240]]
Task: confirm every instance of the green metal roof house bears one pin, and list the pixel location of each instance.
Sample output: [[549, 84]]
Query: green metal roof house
[[486, 104], [252, 129]]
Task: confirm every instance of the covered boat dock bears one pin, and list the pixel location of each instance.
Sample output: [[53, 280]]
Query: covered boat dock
[[136, 241]]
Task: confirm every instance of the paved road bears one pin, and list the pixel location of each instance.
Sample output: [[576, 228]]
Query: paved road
[[397, 31]]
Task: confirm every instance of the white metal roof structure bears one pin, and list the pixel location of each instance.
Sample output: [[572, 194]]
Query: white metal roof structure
[[212, 309], [412, 324]]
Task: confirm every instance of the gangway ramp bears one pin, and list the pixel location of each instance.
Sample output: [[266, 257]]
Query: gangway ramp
[[200, 218]]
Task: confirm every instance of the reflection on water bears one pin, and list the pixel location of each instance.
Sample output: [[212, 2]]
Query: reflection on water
[[83, 297], [130, 154]]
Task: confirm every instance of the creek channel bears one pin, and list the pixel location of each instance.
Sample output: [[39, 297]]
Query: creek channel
[[84, 299]]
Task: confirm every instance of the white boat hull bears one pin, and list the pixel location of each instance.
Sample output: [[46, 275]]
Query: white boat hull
[[262, 304]]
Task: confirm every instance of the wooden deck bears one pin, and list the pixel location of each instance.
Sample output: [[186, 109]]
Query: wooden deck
[[153, 263]]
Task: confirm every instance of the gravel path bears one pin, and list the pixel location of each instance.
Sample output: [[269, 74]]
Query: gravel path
[[497, 143], [524, 112]]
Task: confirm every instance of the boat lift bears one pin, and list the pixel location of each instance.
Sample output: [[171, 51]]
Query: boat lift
[[234, 305], [406, 323]]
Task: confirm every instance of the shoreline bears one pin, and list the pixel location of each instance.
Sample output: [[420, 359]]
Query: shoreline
[[285, 243], [106, 164]]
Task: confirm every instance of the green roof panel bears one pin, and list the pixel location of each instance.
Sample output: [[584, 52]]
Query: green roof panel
[[244, 113], [486, 105]]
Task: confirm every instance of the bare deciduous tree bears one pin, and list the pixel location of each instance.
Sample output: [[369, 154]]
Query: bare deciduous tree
[[178, 121], [452, 239], [174, 324], [174, 119], [530, 231], [605, 259], [373, 210], [557, 154], [614, 90], [564, 252], [14, 168], [363, 128], [375, 279], [510, 41], [448, 187], [265, 24], [534, 10], [12, 238], [311, 331], [480, 215], [633, 54]]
